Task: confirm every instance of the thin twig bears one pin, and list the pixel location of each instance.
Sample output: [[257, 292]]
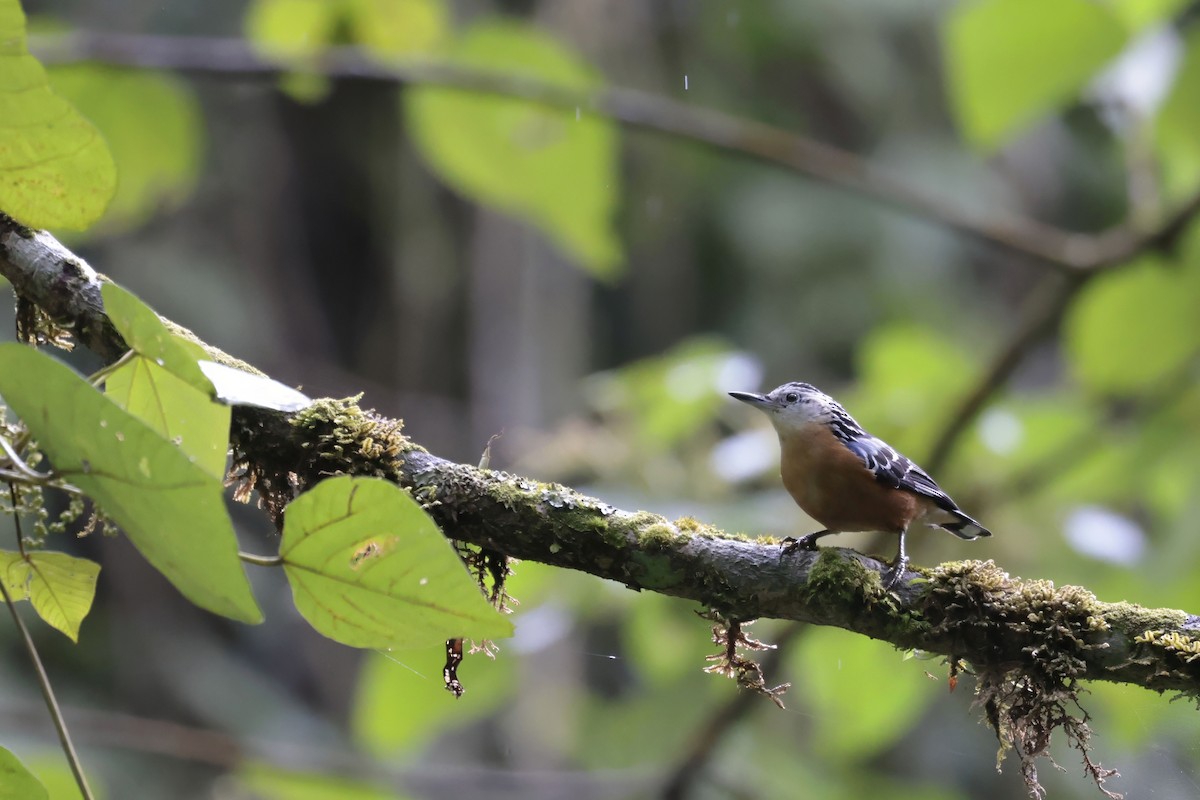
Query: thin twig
[[60, 724], [235, 58], [1049, 302], [1047, 305], [228, 751]]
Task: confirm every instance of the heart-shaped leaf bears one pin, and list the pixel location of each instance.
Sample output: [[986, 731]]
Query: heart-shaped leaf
[[369, 568]]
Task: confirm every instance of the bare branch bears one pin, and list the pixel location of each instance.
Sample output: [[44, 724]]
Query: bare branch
[[235, 58], [1044, 309]]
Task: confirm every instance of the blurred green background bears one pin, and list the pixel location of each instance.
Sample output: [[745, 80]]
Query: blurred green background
[[591, 291]]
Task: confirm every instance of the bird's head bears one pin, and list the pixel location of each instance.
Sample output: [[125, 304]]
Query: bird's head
[[792, 405]]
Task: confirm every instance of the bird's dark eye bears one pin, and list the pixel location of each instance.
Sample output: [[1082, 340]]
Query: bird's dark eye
[[791, 397]]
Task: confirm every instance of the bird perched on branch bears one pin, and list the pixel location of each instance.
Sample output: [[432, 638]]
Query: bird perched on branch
[[848, 480]]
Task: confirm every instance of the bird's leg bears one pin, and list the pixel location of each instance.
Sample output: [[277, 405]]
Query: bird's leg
[[791, 544], [896, 570]]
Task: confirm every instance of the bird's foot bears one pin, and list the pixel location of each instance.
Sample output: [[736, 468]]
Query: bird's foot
[[894, 573], [791, 544]]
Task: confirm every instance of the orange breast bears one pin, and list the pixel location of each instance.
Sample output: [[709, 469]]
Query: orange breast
[[835, 488]]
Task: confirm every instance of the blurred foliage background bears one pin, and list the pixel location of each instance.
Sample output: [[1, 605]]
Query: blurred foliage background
[[591, 290]]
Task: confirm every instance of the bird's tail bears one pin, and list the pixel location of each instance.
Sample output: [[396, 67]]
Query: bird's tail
[[963, 526]]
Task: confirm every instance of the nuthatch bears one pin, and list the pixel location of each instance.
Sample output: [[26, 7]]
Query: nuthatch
[[848, 480]]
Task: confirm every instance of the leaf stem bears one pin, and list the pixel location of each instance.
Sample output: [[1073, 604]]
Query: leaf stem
[[261, 561], [29, 472], [25, 474], [12, 492], [101, 375], [56, 715]]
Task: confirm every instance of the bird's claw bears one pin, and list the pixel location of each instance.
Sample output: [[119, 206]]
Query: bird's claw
[[894, 573], [791, 544]]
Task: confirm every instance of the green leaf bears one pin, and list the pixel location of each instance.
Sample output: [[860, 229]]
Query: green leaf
[[292, 28], [1010, 61], [412, 679], [55, 169], [154, 130], [910, 376], [643, 730], [145, 333], [1137, 14], [1020, 433], [302, 29], [295, 30], [1131, 327], [60, 587], [1176, 125], [16, 782], [555, 169], [670, 396], [660, 638], [54, 773], [175, 410], [271, 783], [398, 27], [842, 672], [163, 385], [171, 508], [369, 568]]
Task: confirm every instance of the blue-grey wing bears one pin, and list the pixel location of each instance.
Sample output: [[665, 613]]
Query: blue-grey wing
[[892, 469]]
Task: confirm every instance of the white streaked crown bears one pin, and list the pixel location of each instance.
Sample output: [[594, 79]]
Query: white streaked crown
[[795, 405]]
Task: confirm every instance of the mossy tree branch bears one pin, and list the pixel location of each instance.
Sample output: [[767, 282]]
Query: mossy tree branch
[[970, 611]]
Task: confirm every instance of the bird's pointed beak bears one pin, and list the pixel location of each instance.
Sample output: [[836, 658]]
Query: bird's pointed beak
[[756, 400]]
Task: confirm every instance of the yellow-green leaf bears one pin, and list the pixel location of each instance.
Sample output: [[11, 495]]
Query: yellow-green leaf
[[145, 333], [1131, 327], [412, 679], [843, 672], [16, 782], [1010, 61], [272, 783], [369, 568], [171, 508], [163, 386], [668, 397], [296, 30], [556, 169], [60, 587], [55, 168], [398, 27], [179, 412], [154, 130], [910, 377], [301, 28], [1137, 14], [292, 28], [52, 770], [1176, 125]]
